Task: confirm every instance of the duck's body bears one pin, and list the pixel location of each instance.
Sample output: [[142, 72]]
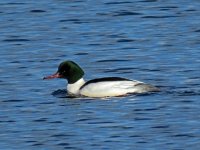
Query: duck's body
[[108, 87], [101, 87]]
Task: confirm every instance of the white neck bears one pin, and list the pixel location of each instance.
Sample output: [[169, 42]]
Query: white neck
[[75, 87]]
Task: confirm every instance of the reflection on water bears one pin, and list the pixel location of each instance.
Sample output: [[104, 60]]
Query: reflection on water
[[147, 40]]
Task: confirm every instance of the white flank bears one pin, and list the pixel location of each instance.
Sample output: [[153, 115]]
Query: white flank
[[110, 88]]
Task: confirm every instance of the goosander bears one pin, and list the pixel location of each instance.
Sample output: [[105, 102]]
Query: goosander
[[101, 87]]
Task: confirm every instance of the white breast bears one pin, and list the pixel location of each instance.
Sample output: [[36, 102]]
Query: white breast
[[75, 87], [110, 88]]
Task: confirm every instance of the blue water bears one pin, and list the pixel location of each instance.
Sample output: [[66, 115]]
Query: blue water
[[153, 41]]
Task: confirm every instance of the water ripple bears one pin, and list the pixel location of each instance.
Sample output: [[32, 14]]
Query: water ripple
[[158, 17], [75, 21], [37, 11], [13, 101], [125, 13], [147, 1], [112, 60], [118, 3], [125, 40], [41, 120], [16, 40]]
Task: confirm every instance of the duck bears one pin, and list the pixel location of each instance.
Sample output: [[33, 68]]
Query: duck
[[100, 87]]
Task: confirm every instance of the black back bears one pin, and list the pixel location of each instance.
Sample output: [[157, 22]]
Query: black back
[[104, 80]]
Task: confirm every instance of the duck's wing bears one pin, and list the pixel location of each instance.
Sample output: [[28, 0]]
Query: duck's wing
[[112, 86], [106, 79]]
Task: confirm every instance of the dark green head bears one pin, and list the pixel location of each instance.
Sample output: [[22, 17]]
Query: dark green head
[[68, 70]]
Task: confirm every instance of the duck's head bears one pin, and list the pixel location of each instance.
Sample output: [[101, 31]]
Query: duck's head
[[68, 70]]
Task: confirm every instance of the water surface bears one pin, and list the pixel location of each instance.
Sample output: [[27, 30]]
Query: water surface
[[148, 40]]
